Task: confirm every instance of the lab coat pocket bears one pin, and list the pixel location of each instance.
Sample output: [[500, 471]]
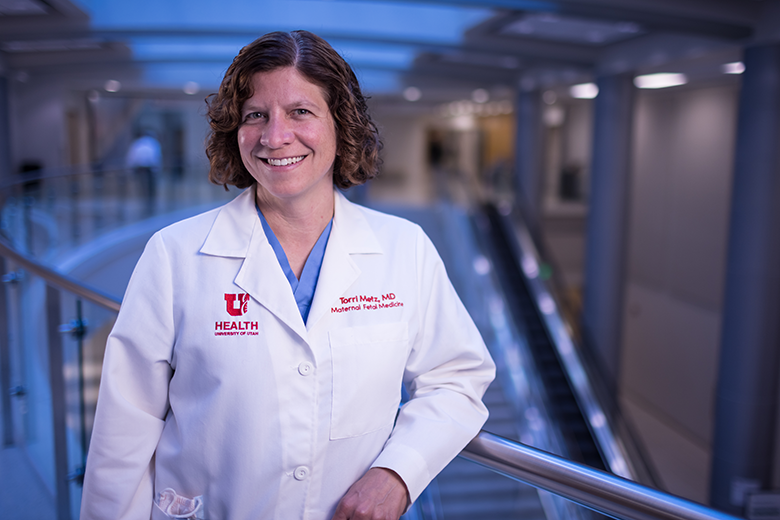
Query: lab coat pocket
[[368, 367]]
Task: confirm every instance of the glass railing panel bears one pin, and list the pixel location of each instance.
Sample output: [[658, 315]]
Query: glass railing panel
[[56, 341], [51, 213], [84, 328], [52, 356]]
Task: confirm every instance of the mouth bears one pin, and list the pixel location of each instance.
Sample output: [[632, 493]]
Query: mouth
[[283, 162]]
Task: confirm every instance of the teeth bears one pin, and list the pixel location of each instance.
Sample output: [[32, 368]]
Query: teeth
[[285, 162]]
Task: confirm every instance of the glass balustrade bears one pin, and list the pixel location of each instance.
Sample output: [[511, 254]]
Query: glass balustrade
[[48, 214], [56, 327], [57, 229]]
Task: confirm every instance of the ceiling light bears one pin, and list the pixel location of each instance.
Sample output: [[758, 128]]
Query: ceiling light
[[112, 85], [553, 116], [480, 96], [584, 91], [191, 88], [734, 68], [660, 80], [412, 94]]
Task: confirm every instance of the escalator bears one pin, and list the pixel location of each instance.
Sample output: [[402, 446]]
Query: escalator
[[580, 445]]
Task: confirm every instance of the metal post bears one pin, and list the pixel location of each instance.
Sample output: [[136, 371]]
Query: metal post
[[75, 216], [57, 383], [5, 363], [746, 399], [79, 335], [608, 222]]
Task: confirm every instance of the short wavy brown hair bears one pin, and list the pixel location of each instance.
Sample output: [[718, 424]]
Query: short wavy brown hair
[[358, 144]]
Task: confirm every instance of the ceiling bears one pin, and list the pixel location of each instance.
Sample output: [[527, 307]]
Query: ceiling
[[444, 48]]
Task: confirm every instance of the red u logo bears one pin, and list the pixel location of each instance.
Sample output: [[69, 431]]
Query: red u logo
[[236, 304]]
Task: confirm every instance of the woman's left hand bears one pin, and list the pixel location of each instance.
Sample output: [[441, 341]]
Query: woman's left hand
[[379, 495]]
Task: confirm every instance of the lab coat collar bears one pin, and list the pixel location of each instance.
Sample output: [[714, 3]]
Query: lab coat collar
[[231, 235], [238, 233], [351, 226], [351, 235], [234, 227]]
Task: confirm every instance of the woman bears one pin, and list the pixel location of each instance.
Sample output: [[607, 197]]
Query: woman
[[231, 388]]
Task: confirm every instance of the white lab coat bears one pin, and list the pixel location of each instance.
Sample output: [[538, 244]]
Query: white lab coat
[[232, 398]]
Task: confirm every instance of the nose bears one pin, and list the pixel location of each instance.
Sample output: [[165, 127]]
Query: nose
[[277, 133]]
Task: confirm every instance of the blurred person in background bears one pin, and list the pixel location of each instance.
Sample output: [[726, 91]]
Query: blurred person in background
[[256, 367], [144, 158]]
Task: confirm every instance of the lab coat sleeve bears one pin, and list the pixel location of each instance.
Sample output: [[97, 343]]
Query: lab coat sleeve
[[133, 398], [447, 373]]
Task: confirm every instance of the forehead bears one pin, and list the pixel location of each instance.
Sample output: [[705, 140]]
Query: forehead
[[285, 85]]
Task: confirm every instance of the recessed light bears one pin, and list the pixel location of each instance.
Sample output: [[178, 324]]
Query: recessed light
[[660, 80], [736, 67], [480, 95], [191, 88], [412, 94], [112, 85], [584, 91]]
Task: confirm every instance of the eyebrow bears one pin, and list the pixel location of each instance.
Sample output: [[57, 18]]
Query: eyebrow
[[249, 107]]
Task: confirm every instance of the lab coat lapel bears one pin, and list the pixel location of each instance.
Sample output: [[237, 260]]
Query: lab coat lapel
[[237, 232], [350, 235]]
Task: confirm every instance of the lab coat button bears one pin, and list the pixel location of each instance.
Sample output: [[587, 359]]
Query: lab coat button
[[301, 472], [305, 368]]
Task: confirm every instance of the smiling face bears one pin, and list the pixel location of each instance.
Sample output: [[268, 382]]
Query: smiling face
[[287, 137]]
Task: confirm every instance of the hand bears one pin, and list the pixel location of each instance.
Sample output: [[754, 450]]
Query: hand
[[379, 495]]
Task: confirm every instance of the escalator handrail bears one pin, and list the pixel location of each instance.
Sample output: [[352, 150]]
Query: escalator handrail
[[595, 489], [52, 277], [599, 422]]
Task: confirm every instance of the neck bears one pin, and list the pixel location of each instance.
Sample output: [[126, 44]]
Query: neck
[[297, 224], [300, 216]]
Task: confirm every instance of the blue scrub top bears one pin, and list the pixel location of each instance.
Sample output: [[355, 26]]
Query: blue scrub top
[[303, 289]]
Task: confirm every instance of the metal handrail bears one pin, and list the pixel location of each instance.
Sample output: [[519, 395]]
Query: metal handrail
[[59, 280], [589, 487], [603, 492]]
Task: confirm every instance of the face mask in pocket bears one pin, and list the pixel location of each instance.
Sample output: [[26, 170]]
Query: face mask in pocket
[[177, 506]]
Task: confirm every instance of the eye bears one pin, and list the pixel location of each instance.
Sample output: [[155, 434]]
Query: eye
[[253, 116], [301, 112]]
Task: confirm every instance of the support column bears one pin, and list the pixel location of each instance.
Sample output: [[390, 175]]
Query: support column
[[528, 158], [746, 398], [608, 222]]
